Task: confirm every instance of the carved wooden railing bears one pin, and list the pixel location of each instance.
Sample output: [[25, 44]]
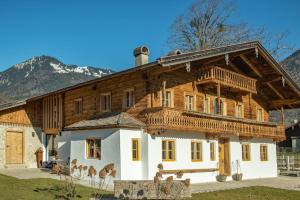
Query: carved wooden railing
[[161, 119], [228, 78]]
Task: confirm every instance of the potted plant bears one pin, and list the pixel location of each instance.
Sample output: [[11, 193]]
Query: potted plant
[[221, 177], [238, 175]]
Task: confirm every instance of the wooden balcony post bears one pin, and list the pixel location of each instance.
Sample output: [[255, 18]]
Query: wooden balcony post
[[250, 108], [282, 115], [219, 97], [163, 93]]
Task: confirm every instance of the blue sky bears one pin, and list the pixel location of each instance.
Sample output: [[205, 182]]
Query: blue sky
[[104, 33]]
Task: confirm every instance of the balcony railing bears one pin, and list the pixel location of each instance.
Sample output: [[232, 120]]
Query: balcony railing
[[227, 78], [161, 119]]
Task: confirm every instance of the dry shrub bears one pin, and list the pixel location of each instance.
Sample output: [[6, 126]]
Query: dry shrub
[[159, 174], [74, 162], [169, 179], [160, 166], [113, 173], [187, 182], [179, 174], [56, 169], [102, 173], [109, 167], [92, 171]]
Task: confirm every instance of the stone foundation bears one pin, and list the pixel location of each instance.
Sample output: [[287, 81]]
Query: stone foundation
[[176, 189]]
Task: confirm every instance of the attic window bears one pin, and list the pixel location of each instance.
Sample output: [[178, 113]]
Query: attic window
[[78, 106], [105, 102]]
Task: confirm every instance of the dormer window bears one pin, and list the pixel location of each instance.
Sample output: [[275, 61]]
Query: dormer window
[[105, 102]]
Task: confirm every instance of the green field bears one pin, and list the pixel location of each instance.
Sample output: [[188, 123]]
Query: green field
[[15, 189]]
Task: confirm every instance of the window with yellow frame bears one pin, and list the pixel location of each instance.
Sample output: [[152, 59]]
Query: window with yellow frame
[[168, 150], [246, 152], [264, 152], [93, 148], [135, 149], [196, 151]]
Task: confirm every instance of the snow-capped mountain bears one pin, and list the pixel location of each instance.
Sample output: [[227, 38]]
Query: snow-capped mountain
[[43, 74]]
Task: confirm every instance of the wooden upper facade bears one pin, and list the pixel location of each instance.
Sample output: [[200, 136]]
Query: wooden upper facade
[[222, 91]]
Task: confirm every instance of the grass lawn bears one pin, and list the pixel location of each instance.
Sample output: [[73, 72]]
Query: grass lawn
[[41, 189], [250, 193], [15, 189]]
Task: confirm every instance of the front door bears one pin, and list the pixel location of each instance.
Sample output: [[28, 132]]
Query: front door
[[224, 156], [14, 148]]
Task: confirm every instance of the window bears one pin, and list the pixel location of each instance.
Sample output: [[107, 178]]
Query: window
[[264, 152], [206, 105], [239, 110], [246, 152], [196, 151], [135, 149], [259, 114], [223, 107], [168, 150], [189, 102], [105, 102], [168, 98], [93, 146], [129, 98], [212, 151], [78, 106]]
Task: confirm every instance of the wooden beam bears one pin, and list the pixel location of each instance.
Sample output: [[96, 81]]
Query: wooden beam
[[163, 93], [282, 115], [174, 171], [248, 62], [284, 102], [243, 57]]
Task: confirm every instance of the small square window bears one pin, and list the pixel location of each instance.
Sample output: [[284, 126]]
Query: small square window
[[93, 148]]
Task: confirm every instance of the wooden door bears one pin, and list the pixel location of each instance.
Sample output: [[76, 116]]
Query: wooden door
[[224, 157], [14, 148]]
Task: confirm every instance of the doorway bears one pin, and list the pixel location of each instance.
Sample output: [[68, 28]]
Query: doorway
[[224, 156], [14, 148]]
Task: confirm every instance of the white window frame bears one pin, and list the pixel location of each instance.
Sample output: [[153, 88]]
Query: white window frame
[[171, 102], [186, 103], [107, 109], [236, 110], [257, 114]]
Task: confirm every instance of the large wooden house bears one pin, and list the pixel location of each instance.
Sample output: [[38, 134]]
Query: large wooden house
[[203, 113]]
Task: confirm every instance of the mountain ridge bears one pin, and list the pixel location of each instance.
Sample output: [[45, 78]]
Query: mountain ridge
[[42, 74]]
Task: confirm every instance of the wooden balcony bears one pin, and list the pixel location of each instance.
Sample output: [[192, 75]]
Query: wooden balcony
[[162, 119], [227, 78]]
